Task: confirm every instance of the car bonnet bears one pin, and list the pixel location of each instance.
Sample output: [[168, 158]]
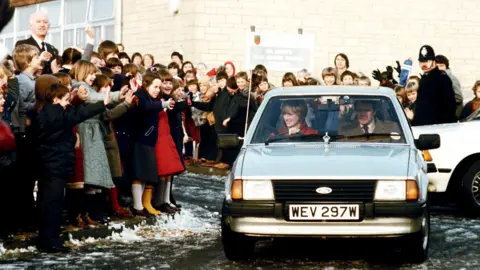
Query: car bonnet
[[314, 161]]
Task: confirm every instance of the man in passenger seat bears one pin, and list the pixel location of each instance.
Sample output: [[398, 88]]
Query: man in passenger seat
[[367, 123]]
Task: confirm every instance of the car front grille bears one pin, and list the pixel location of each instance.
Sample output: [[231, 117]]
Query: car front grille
[[342, 190]]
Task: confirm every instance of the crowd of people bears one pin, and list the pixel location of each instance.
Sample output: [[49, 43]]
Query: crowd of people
[[105, 126]]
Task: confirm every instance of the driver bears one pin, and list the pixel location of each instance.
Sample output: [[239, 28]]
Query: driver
[[366, 122], [294, 113]]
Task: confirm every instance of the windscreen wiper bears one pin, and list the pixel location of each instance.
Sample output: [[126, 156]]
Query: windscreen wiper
[[295, 137], [392, 136]]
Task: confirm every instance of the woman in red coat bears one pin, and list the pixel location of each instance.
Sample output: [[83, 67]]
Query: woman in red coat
[[294, 113], [168, 164]]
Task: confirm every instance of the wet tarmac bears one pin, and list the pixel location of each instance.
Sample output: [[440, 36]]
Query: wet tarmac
[[192, 241]]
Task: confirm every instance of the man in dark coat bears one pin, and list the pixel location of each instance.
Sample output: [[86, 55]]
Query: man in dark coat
[[39, 26], [436, 98]]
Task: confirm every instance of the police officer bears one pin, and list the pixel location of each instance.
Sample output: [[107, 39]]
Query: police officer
[[435, 99]]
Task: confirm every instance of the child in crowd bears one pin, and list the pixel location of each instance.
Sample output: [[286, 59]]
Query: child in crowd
[[401, 94], [53, 128], [289, 80], [411, 91], [468, 109], [364, 81], [329, 76], [348, 77]]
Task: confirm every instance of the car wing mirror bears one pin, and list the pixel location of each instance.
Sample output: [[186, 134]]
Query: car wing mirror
[[427, 142], [228, 140]]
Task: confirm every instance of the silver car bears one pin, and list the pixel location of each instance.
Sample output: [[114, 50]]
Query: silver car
[[327, 162]]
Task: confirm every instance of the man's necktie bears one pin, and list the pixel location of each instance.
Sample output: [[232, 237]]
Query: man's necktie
[[365, 129], [43, 46]]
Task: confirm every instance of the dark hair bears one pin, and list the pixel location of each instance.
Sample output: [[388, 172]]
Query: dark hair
[[122, 55], [344, 56], [64, 78], [232, 83], [71, 56], [173, 65], [177, 54], [181, 73], [258, 80], [159, 66], [101, 81], [164, 75], [96, 54], [107, 72], [260, 67], [192, 82], [56, 90], [312, 81], [221, 75], [441, 59], [132, 68], [477, 84], [113, 62], [59, 60], [289, 76], [348, 73], [42, 86], [148, 80], [107, 47], [366, 101], [135, 55]]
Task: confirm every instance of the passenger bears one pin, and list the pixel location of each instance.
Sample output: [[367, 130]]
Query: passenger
[[294, 113], [367, 122]]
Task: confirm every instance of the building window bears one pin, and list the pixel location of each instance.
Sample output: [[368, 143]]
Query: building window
[[68, 19]]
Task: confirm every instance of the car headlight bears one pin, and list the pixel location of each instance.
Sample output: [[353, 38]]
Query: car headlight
[[257, 190], [397, 190], [390, 191]]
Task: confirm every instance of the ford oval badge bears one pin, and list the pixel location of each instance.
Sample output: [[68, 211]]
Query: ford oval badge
[[323, 190]]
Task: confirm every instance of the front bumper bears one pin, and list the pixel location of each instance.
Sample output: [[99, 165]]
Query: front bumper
[[269, 219]]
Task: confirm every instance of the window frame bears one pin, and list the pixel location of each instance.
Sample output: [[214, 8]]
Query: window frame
[[62, 27], [261, 124]]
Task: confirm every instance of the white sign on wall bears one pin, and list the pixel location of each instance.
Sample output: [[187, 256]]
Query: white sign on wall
[[280, 51]]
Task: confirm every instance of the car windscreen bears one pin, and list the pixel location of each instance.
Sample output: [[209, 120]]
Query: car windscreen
[[342, 118]]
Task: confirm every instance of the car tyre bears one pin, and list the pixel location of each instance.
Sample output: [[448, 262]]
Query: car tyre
[[469, 193], [236, 246], [416, 245]]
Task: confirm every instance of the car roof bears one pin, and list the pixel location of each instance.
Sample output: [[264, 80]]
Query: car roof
[[332, 90]]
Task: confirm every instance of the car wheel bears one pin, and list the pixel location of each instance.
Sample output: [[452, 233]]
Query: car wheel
[[417, 244], [237, 246], [469, 194]]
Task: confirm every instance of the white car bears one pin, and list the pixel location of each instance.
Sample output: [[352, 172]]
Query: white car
[[454, 168]]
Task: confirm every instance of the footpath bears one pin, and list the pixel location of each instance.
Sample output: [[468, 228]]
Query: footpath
[[116, 225]]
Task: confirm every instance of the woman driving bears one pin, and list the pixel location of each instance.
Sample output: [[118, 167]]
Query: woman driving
[[294, 113]]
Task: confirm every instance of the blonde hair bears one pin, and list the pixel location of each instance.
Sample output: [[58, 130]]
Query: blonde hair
[[82, 69], [411, 87], [23, 55], [3, 71], [365, 79]]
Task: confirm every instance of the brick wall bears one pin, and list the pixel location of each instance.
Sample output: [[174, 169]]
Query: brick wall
[[372, 33], [21, 3]]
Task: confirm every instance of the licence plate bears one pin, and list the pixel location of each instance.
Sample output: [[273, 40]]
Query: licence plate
[[324, 212]]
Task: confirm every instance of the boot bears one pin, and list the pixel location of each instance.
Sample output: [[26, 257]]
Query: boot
[[170, 199], [147, 200]]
